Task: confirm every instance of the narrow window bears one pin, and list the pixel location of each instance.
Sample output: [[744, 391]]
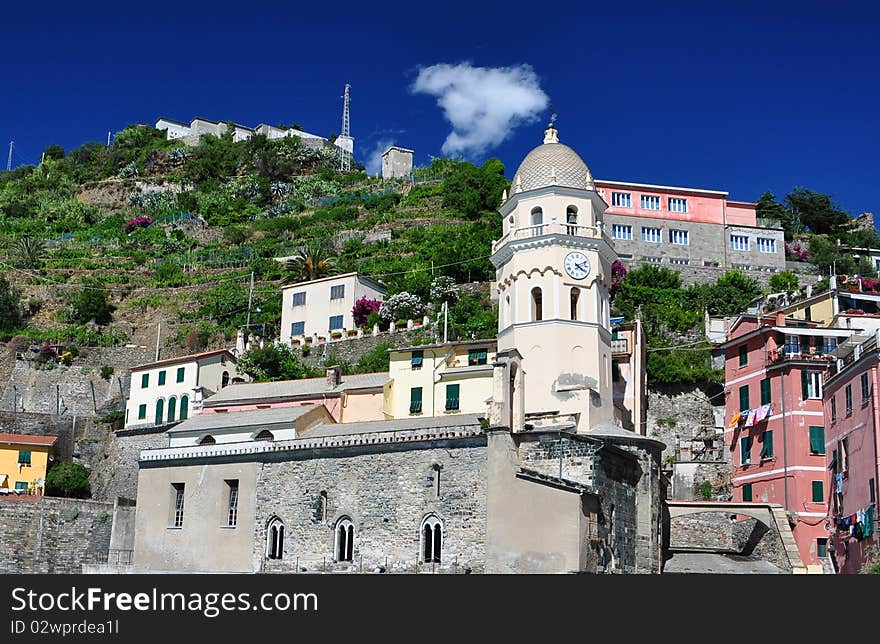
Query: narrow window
[[437, 468], [224, 379], [767, 445], [743, 355], [452, 394], [162, 377], [177, 490], [416, 359], [344, 540], [833, 408], [184, 407], [415, 400], [160, 411], [172, 408], [849, 404], [537, 305], [821, 547], [571, 215], [745, 447], [744, 398], [232, 507], [818, 491], [575, 296], [765, 391], [432, 539], [145, 381], [180, 373], [142, 412], [865, 391], [747, 492], [322, 506], [537, 216], [275, 539]]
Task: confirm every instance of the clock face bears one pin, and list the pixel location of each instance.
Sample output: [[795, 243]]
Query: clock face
[[577, 265]]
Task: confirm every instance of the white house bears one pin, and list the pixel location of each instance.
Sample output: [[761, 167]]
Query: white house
[[322, 306], [397, 162], [192, 131], [171, 390]]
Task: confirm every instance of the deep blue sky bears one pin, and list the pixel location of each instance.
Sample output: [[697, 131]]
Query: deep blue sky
[[758, 95]]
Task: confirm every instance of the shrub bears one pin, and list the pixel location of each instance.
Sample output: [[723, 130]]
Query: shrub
[[141, 221], [363, 309], [197, 339], [68, 479], [375, 360], [91, 303], [785, 281], [113, 417], [706, 490], [402, 306], [106, 371], [444, 289], [274, 362]]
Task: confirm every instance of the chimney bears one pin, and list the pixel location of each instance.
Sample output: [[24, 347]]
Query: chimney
[[334, 376], [780, 319], [809, 290]]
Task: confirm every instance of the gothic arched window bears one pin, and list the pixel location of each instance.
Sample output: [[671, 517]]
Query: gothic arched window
[[432, 539], [275, 538], [344, 540]]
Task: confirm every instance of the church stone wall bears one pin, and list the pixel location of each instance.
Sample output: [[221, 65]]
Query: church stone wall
[[386, 494]]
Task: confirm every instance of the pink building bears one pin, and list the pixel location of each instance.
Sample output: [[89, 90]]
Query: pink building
[[688, 227], [774, 369], [852, 416]]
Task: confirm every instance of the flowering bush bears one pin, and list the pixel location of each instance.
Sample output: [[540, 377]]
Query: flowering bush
[[797, 251], [444, 289], [138, 222], [402, 306], [362, 310]]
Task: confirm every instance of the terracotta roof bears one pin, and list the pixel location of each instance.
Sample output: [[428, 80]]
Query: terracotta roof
[[189, 358], [28, 439]]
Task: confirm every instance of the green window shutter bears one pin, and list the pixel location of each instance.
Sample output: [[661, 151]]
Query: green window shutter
[[743, 355], [818, 492], [417, 359], [765, 391], [767, 445], [180, 372], [145, 381], [805, 385], [747, 492], [161, 377], [142, 412], [745, 449], [817, 440], [415, 400], [24, 457], [833, 464], [744, 398], [452, 392], [160, 411]]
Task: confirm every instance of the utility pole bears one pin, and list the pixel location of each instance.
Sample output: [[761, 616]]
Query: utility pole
[[250, 300], [445, 320], [9, 159], [108, 138], [158, 333]]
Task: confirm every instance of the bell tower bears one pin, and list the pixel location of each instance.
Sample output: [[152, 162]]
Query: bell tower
[[553, 271]]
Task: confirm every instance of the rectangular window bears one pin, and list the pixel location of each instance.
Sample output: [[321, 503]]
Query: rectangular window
[[477, 356], [739, 242], [744, 398], [297, 328], [745, 450], [621, 231], [651, 202], [299, 299], [452, 392], [848, 400], [817, 439], [679, 237], [653, 260], [679, 262], [335, 322], [821, 547], [415, 400], [142, 412], [232, 508], [21, 485], [337, 292], [865, 391], [162, 377], [743, 355], [818, 491], [24, 457], [145, 381], [180, 373], [811, 384], [765, 391], [767, 445], [621, 199], [678, 204], [792, 345], [747, 492], [828, 344], [415, 361], [843, 450], [872, 491], [833, 408], [177, 494], [652, 234], [765, 245]]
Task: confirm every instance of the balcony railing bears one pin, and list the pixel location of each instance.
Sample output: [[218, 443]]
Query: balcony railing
[[538, 230], [859, 350], [821, 359], [620, 345]]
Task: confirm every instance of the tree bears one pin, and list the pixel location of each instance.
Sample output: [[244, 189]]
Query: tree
[[309, 263], [815, 211], [274, 362], [10, 305], [68, 479], [363, 308], [375, 360], [472, 191], [30, 251], [53, 152], [785, 281], [730, 294], [91, 303], [769, 208]]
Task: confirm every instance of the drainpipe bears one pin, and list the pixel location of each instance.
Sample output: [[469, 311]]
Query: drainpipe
[[874, 413], [724, 229], [784, 444]]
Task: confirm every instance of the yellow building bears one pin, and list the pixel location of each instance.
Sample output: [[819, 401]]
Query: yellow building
[[24, 460], [440, 379]]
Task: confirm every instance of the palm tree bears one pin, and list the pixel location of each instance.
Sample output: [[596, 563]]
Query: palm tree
[[309, 263], [30, 251]]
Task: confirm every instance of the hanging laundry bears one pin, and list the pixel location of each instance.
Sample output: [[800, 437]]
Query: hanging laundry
[[839, 479], [763, 412], [750, 419], [736, 418], [869, 521]]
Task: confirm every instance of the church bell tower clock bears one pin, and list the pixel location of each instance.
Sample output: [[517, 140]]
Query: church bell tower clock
[[553, 271]]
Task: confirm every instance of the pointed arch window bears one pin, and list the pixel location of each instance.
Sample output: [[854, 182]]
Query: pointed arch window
[[537, 305], [160, 411], [344, 540], [432, 539], [275, 538]]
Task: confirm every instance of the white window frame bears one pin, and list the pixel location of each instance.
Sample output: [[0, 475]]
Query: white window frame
[[301, 295], [677, 204], [341, 323], [343, 526], [738, 241], [679, 237], [622, 231], [292, 332], [765, 244], [652, 234], [435, 523], [676, 261], [650, 202], [814, 385], [340, 289], [278, 525], [621, 199]]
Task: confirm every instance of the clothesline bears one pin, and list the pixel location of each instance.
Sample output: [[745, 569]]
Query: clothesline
[[750, 417]]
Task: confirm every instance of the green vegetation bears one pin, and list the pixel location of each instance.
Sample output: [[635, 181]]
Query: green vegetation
[[68, 479], [274, 363]]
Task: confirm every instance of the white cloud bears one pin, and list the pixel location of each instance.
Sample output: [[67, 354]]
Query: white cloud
[[373, 164], [483, 104]]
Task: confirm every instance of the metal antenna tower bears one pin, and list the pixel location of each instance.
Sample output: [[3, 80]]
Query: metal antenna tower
[[9, 159], [344, 140]]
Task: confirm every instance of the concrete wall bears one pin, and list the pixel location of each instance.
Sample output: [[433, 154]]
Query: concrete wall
[[53, 535]]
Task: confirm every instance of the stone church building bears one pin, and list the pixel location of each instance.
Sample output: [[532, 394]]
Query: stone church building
[[548, 481]]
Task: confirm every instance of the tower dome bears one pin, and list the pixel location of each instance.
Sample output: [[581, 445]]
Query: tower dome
[[552, 164]]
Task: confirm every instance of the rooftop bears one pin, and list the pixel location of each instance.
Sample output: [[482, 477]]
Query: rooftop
[[286, 389], [189, 358], [28, 439]]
